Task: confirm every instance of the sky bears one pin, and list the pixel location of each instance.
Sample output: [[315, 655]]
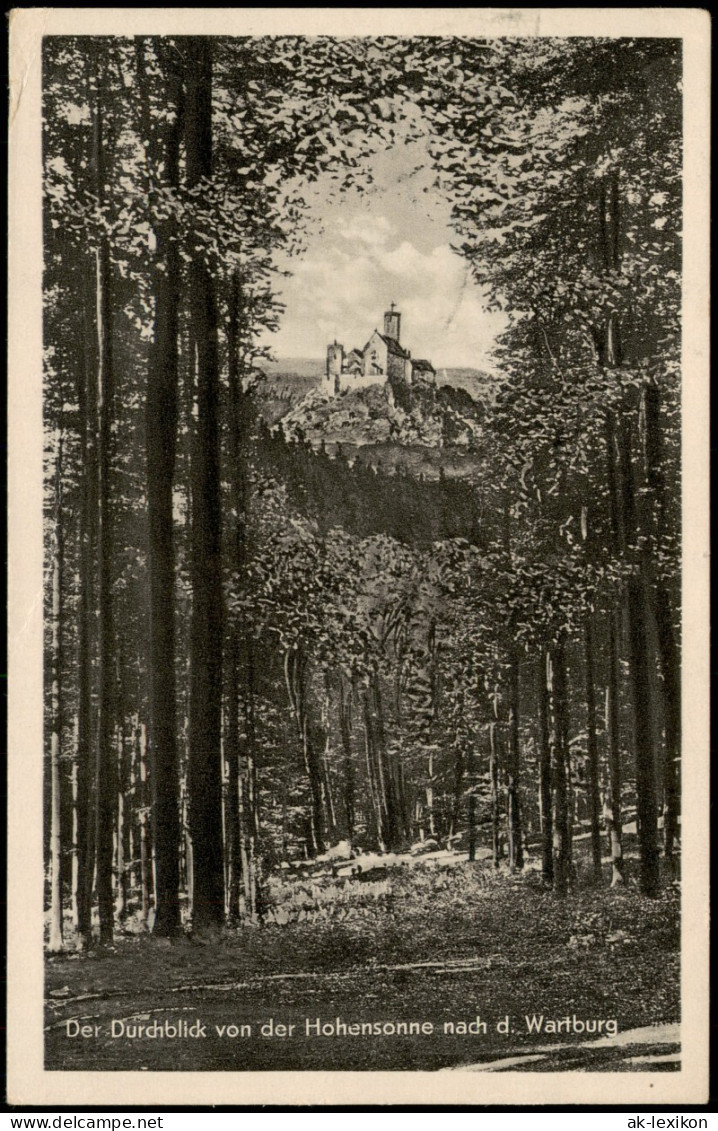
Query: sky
[[391, 244]]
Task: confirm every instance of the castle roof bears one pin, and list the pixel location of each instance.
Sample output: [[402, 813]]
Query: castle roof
[[423, 365], [393, 346]]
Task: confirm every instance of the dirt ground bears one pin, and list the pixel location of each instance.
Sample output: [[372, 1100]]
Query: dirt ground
[[469, 964]]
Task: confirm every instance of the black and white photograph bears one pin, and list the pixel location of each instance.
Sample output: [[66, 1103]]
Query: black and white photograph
[[367, 740]]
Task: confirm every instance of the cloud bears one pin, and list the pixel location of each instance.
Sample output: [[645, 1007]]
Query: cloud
[[362, 263], [372, 231]]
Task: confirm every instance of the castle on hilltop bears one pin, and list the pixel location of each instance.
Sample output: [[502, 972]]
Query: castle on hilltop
[[382, 361]]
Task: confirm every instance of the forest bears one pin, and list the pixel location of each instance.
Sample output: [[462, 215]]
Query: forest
[[275, 674]]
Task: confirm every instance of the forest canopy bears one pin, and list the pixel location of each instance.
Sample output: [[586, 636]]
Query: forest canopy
[[260, 652]]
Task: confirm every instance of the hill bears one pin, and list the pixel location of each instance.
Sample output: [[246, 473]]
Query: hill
[[421, 416], [291, 367]]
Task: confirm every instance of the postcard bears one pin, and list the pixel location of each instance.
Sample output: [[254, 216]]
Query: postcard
[[358, 580]]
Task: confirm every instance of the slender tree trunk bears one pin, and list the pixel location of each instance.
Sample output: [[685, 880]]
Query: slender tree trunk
[[75, 871], [390, 780], [232, 756], [87, 629], [375, 785], [105, 771], [132, 839], [655, 517], [56, 933], [460, 770], [670, 666], [245, 815], [556, 681], [494, 780], [161, 444], [237, 558], [594, 799], [430, 780], [251, 825], [248, 808], [324, 739], [295, 673], [646, 799], [516, 853], [119, 848], [329, 796], [614, 814], [471, 821], [205, 770], [626, 531], [345, 726], [638, 650], [122, 834], [545, 791], [145, 862]]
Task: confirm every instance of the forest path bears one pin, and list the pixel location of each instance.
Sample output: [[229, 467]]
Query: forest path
[[655, 1048], [302, 1019], [431, 971]]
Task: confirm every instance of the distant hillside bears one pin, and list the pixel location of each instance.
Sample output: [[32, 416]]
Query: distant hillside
[[308, 372], [295, 367], [481, 386], [287, 382]]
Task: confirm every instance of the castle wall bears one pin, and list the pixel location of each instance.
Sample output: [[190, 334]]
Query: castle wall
[[361, 380]]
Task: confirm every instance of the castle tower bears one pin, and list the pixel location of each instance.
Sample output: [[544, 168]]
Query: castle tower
[[335, 364], [392, 323]]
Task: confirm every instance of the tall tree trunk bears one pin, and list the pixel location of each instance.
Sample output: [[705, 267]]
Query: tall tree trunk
[[558, 708], [244, 816], [430, 782], [345, 726], [626, 531], [545, 791], [145, 861], [617, 536], [236, 476], [56, 933], [594, 799], [205, 769], [250, 815], [161, 411], [655, 508], [122, 825], [85, 808], [75, 870], [670, 666], [390, 781], [613, 730], [494, 782], [516, 852], [471, 821], [132, 804], [232, 756], [638, 651], [105, 769], [460, 771], [295, 673], [373, 774], [330, 809], [646, 799]]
